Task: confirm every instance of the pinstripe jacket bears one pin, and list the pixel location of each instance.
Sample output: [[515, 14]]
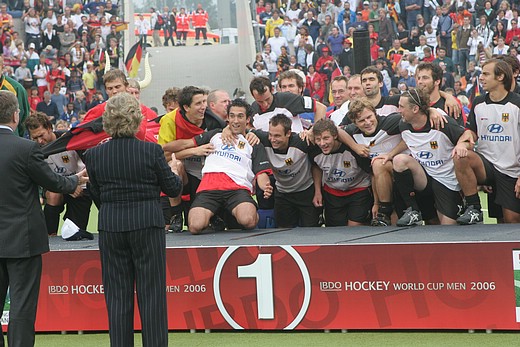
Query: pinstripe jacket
[[126, 178]]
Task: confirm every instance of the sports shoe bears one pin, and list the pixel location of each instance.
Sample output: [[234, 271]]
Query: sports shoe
[[217, 223], [471, 216], [176, 224], [381, 220], [409, 218]]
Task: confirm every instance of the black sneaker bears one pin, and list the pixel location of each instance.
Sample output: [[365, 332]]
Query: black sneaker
[[471, 216], [321, 220], [217, 223], [196, 44], [381, 220], [409, 218], [176, 224]]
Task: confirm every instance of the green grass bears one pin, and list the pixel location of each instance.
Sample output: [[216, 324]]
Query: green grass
[[300, 339]]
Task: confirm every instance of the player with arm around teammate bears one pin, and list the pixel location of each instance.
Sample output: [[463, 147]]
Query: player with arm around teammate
[[228, 173], [429, 171], [288, 155], [343, 176], [381, 135]]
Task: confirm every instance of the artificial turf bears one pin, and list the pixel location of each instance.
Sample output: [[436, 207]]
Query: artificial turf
[[300, 339]]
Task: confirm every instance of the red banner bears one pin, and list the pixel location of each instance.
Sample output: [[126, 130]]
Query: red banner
[[373, 286]]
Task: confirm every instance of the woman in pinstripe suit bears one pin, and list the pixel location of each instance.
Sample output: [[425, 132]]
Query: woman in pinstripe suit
[[126, 178]]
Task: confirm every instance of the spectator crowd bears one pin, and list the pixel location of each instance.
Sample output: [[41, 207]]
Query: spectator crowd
[[317, 38], [62, 59]]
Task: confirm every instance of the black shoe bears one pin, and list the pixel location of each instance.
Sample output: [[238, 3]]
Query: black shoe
[[217, 223], [409, 218], [178, 44], [381, 220], [471, 216], [196, 44], [321, 220], [207, 43], [176, 224]]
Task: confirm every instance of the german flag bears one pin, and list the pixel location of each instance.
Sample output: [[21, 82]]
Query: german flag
[[133, 59], [85, 136]]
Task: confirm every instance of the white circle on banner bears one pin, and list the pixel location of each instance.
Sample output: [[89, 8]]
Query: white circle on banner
[[306, 283]]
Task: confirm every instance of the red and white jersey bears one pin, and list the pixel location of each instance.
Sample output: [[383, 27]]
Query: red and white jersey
[[240, 162], [199, 18]]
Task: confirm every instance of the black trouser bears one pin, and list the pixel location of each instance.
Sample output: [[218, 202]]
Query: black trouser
[[22, 276], [36, 39], [135, 258], [182, 35], [204, 33], [168, 35]]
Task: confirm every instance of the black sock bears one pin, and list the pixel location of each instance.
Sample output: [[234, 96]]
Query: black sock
[[176, 209], [386, 208], [473, 200], [404, 183], [52, 217]]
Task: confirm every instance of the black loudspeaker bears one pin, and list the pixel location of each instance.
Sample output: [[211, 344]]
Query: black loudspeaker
[[361, 50]]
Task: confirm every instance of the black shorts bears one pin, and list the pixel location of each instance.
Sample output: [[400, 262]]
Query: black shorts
[[295, 209], [434, 197], [340, 209], [503, 186], [229, 199], [446, 201]]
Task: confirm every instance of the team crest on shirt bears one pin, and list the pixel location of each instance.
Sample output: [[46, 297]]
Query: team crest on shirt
[[372, 143], [65, 159], [505, 117], [346, 163], [434, 145], [288, 161], [241, 144]]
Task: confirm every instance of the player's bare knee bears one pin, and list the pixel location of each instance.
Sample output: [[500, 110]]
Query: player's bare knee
[[400, 162], [249, 221], [196, 224], [379, 168]]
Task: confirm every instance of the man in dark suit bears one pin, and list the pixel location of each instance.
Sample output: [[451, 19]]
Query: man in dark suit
[[23, 236]]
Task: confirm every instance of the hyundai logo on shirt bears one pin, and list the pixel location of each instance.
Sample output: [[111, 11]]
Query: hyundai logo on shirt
[[229, 148], [424, 155], [495, 128], [339, 173]]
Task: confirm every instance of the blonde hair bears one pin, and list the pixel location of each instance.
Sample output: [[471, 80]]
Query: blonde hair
[[122, 116], [463, 100]]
